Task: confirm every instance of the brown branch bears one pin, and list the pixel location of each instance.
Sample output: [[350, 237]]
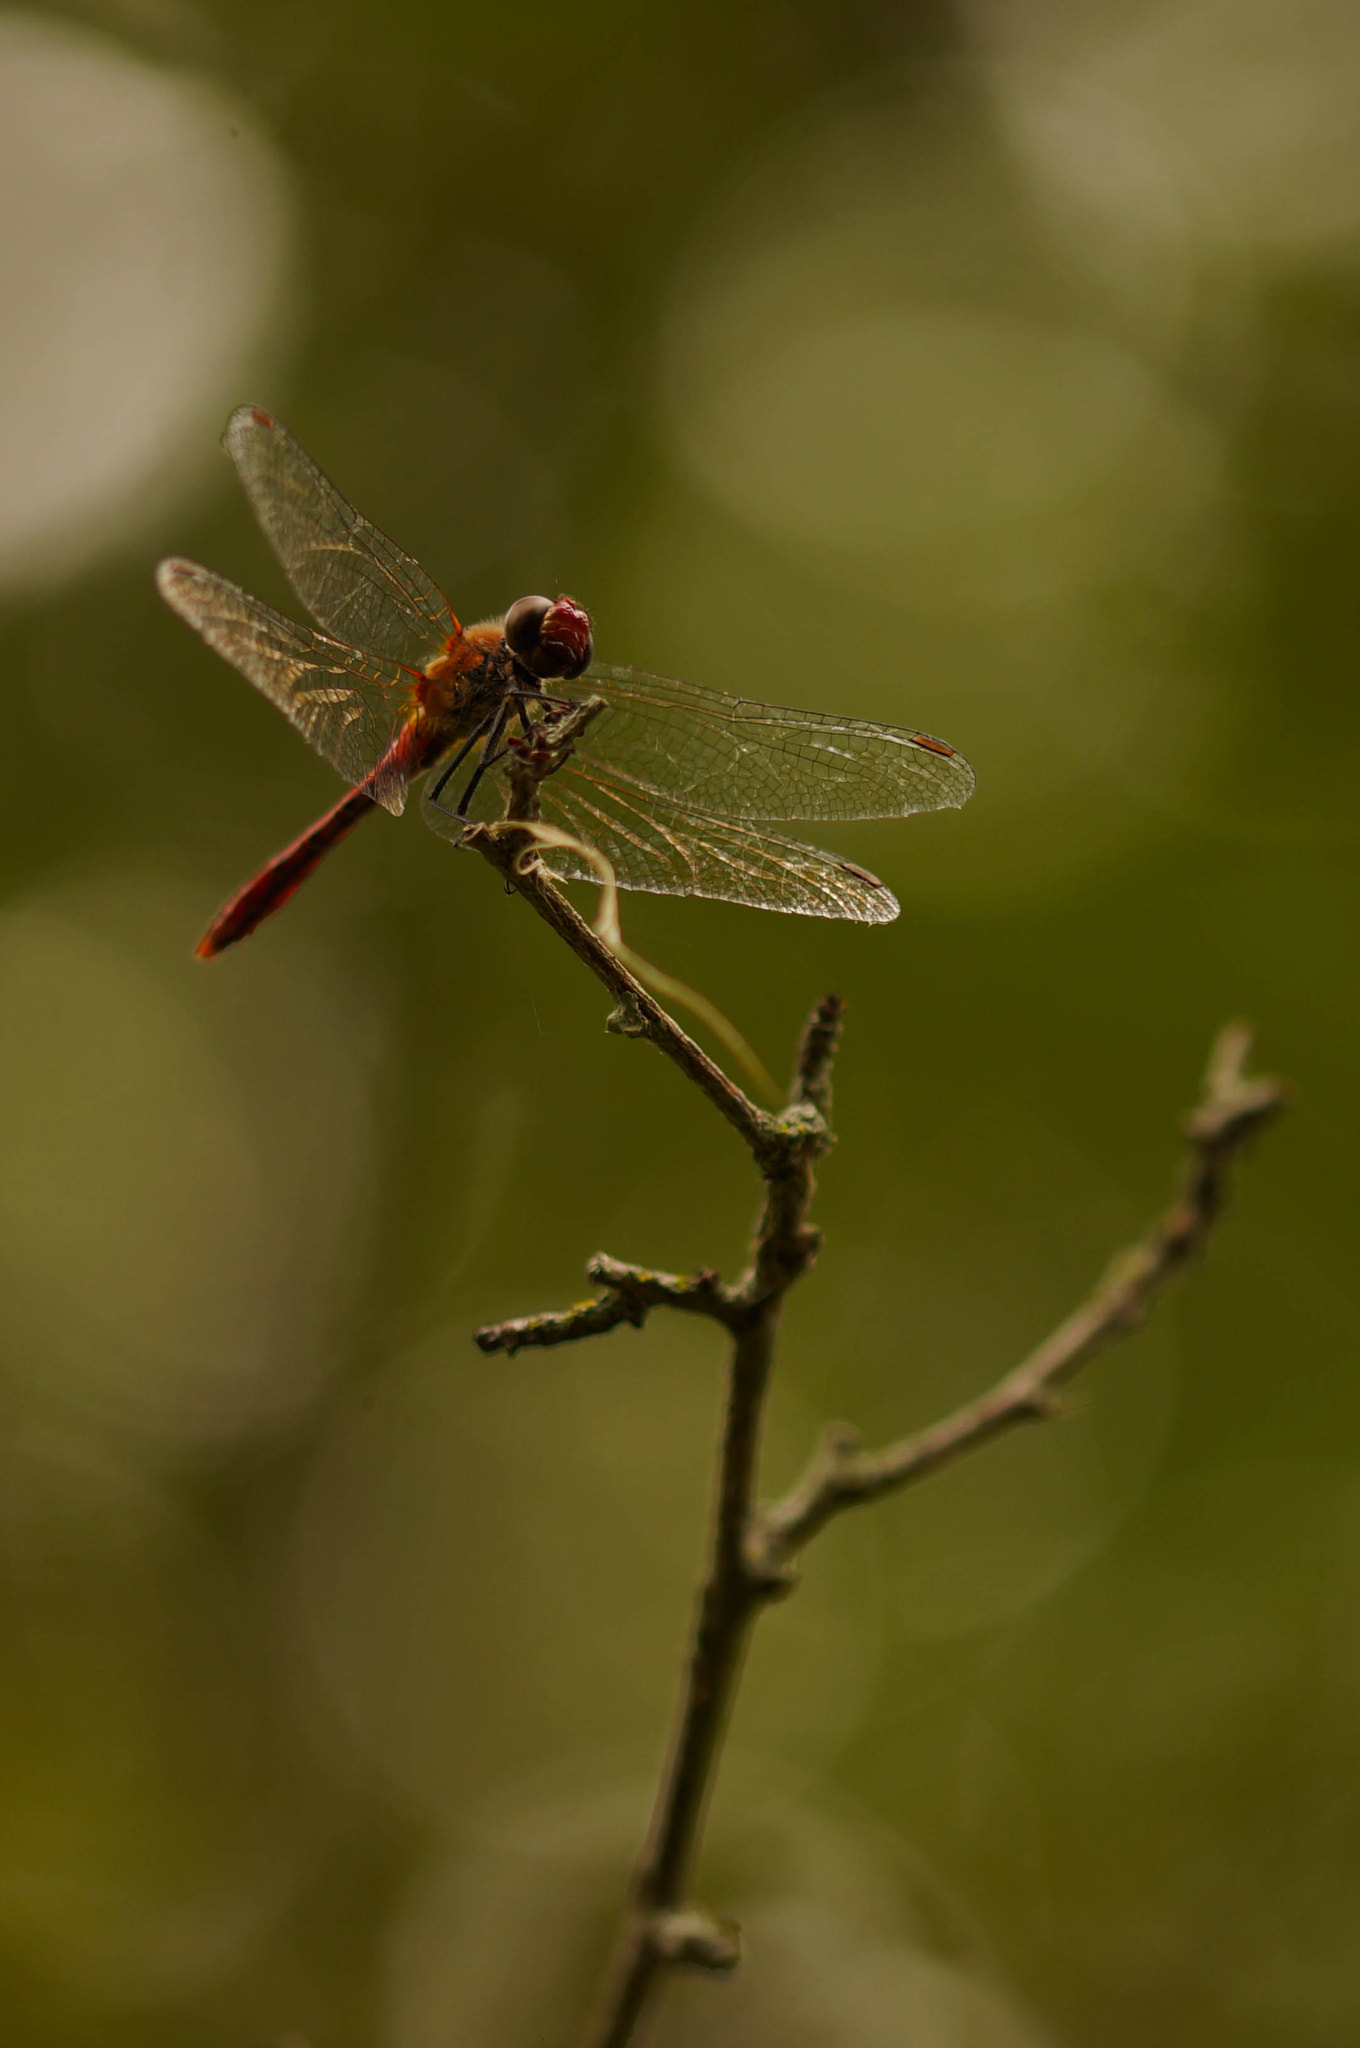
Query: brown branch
[[1231, 1110], [629, 1292], [752, 1548], [638, 1015], [513, 853], [735, 1586]]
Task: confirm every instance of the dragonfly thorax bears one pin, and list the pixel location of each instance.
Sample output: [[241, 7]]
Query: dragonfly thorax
[[465, 684]]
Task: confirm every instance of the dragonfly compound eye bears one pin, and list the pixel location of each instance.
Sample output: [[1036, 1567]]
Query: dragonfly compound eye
[[553, 641], [524, 625]]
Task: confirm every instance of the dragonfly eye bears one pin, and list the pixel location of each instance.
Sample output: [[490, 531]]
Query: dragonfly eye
[[551, 640], [524, 625]]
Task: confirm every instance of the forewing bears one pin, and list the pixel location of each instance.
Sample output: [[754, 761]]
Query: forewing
[[355, 582], [652, 842], [733, 757], [349, 706]]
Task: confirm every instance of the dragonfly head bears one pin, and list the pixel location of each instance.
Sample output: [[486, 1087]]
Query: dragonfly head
[[550, 638]]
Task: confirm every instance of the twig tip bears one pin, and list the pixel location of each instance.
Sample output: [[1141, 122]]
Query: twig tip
[[817, 1053], [689, 1936]]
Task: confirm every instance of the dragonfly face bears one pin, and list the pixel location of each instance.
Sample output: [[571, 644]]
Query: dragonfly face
[[675, 785]]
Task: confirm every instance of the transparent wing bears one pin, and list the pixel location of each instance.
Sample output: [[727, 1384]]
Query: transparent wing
[[355, 582], [735, 758], [349, 706], [654, 843]]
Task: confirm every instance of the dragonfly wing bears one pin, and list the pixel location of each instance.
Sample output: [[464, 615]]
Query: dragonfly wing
[[355, 582], [736, 758], [655, 843], [349, 706]]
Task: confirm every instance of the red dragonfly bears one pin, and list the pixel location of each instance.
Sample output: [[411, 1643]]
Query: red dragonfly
[[672, 784]]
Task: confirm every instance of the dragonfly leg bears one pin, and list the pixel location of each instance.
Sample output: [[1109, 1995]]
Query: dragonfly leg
[[446, 774], [524, 696], [489, 759], [497, 724], [490, 731]]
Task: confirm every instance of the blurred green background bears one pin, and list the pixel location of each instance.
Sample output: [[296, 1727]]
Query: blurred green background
[[989, 367]]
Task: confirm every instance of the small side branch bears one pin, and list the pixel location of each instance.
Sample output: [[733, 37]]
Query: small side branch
[[593, 1318], [629, 1292], [816, 1056], [1232, 1108]]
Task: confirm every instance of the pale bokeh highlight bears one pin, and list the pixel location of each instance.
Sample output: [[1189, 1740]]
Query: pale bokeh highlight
[[143, 250]]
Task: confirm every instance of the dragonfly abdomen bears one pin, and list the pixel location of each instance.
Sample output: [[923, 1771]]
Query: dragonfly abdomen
[[271, 888]]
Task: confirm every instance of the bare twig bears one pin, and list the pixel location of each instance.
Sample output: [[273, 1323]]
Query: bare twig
[[736, 1585], [513, 853], [639, 1015], [752, 1548], [1231, 1110], [629, 1292]]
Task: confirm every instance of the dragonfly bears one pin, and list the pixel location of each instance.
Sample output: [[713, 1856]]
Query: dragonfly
[[675, 786]]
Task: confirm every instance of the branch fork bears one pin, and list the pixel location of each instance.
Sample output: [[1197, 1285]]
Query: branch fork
[[754, 1546]]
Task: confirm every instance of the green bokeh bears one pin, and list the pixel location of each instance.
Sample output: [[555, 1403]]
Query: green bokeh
[[340, 1657]]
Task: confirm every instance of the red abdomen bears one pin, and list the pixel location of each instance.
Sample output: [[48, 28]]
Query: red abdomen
[[274, 884]]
